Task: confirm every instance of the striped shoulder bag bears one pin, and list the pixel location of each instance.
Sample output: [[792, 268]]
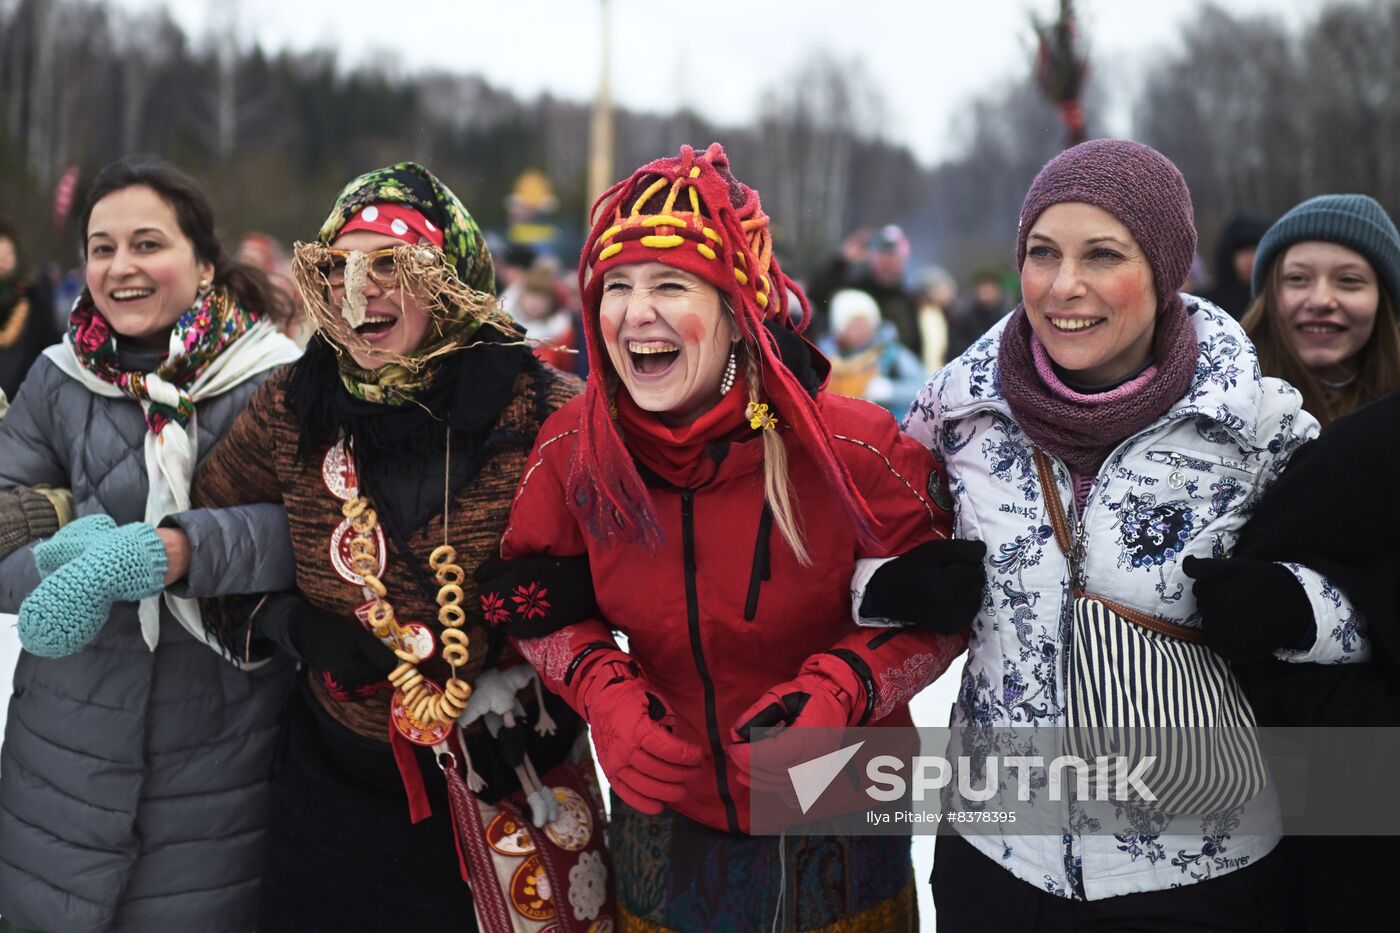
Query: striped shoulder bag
[[1138, 685]]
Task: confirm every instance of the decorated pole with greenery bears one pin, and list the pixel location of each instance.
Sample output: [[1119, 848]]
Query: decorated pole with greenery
[[1061, 69]]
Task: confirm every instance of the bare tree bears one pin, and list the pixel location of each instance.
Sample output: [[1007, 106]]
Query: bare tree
[[804, 145], [41, 92], [1259, 118], [224, 48]]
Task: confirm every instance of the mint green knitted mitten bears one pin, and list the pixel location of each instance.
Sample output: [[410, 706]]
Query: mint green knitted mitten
[[71, 605], [70, 541]]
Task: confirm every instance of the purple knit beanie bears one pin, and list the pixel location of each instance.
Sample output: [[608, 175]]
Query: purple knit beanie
[[1136, 184]]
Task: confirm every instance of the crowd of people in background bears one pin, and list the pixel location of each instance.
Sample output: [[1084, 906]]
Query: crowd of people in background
[[918, 310]]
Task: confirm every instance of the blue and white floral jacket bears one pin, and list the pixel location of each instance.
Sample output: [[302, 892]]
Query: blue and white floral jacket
[[1181, 486]]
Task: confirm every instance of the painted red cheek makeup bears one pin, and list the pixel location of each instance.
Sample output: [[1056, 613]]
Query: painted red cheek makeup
[[1118, 293], [609, 325], [691, 328]]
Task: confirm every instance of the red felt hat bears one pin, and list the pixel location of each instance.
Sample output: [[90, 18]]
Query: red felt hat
[[689, 211]]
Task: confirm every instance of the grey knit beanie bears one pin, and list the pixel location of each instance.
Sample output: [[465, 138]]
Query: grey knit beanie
[[1137, 185], [1355, 221]]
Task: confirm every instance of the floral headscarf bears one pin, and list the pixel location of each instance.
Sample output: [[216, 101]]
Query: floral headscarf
[[211, 325], [457, 285]]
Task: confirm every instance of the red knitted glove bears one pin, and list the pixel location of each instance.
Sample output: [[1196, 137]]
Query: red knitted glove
[[825, 696], [631, 729]]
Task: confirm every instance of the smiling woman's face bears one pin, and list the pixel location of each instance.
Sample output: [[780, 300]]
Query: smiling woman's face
[[395, 323], [1328, 299], [1089, 293], [668, 336], [142, 271]]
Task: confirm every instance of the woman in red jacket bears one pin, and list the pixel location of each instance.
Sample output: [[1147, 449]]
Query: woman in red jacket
[[722, 497]]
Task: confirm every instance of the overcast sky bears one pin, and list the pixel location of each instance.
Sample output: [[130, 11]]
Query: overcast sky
[[926, 57]]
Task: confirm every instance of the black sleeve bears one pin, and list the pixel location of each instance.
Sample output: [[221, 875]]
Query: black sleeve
[[1334, 510], [1285, 694]]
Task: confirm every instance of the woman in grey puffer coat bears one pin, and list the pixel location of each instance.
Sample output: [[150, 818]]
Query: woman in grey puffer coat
[[133, 776]]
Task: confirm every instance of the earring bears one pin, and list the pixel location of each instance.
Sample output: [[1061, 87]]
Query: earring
[[204, 286], [731, 368]]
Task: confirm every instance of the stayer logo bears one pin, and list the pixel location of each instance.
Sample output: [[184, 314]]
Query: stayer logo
[[932, 773]]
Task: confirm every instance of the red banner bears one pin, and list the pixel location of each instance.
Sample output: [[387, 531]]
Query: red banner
[[63, 197]]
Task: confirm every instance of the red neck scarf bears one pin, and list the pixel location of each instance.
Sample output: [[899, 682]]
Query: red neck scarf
[[677, 454]]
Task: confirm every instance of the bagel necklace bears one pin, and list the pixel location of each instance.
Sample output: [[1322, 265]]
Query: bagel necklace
[[421, 710]]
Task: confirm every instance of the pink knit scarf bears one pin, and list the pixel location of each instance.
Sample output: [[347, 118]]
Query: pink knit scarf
[[1083, 429]]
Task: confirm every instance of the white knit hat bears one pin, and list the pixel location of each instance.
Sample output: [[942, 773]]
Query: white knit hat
[[849, 304]]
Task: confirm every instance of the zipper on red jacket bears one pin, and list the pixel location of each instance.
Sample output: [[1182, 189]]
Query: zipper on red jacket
[[761, 557], [697, 651]]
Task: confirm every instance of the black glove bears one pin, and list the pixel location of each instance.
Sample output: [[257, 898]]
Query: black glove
[[937, 586], [530, 597], [346, 655], [26, 515], [1250, 608]]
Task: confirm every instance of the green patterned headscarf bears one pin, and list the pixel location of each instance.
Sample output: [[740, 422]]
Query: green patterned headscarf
[[457, 286]]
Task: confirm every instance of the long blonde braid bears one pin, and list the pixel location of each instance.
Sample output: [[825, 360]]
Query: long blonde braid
[[777, 486]]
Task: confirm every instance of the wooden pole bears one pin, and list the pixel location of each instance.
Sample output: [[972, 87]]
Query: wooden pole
[[600, 137]]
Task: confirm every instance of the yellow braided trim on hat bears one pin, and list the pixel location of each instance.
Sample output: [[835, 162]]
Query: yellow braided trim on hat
[[670, 200], [647, 194]]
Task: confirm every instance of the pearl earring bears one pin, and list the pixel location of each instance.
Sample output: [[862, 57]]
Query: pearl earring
[[731, 368]]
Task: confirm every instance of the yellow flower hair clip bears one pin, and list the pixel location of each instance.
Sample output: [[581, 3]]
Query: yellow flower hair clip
[[758, 416]]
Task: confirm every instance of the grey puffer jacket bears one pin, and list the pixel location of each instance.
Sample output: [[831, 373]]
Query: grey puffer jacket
[[134, 784]]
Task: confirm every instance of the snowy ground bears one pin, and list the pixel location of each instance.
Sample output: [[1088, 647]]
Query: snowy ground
[[9, 651], [930, 709]]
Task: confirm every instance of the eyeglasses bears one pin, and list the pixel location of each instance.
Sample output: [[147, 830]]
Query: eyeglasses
[[381, 264]]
